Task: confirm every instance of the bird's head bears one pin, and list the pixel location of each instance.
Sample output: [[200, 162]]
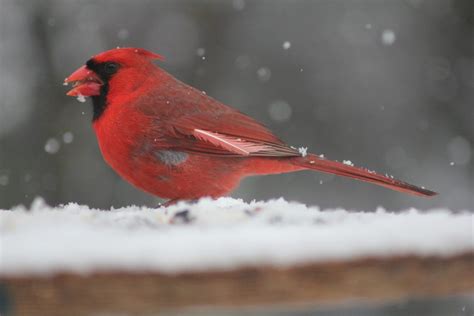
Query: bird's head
[[114, 72]]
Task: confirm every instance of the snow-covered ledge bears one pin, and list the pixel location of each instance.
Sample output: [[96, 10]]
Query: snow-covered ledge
[[218, 235]]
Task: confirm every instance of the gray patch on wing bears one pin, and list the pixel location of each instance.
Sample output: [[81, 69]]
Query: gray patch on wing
[[171, 157]]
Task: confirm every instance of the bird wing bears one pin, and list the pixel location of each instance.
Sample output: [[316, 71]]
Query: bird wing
[[186, 119], [228, 133]]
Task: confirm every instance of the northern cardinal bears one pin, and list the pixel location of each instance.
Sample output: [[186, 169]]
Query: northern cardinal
[[172, 140]]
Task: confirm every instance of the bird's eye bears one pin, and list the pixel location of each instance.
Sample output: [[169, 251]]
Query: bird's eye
[[110, 68]]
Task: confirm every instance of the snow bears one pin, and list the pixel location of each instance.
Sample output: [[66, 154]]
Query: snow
[[81, 98], [222, 234], [68, 137], [303, 151], [280, 111], [388, 37], [348, 163], [52, 146], [264, 74]]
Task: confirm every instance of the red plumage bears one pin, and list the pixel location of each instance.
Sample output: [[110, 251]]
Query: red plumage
[[175, 142]]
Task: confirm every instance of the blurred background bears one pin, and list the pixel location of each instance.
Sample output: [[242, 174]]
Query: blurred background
[[388, 85]]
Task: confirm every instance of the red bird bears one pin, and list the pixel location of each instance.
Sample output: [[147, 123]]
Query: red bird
[[174, 141]]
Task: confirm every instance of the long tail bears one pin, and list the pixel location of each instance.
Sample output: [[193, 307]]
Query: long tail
[[315, 162]]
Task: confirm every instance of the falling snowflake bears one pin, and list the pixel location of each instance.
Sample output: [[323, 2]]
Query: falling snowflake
[[201, 51], [52, 146], [264, 74], [388, 37], [68, 137], [280, 111]]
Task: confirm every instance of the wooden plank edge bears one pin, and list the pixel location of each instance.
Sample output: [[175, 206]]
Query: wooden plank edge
[[373, 279]]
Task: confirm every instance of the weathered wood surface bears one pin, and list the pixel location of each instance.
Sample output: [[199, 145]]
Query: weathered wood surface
[[148, 293]]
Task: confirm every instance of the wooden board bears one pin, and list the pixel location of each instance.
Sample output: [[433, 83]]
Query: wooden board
[[148, 293]]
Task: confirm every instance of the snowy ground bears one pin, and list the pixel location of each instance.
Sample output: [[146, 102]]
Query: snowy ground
[[220, 234]]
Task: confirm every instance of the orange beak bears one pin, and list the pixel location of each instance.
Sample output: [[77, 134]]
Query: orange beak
[[85, 83]]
